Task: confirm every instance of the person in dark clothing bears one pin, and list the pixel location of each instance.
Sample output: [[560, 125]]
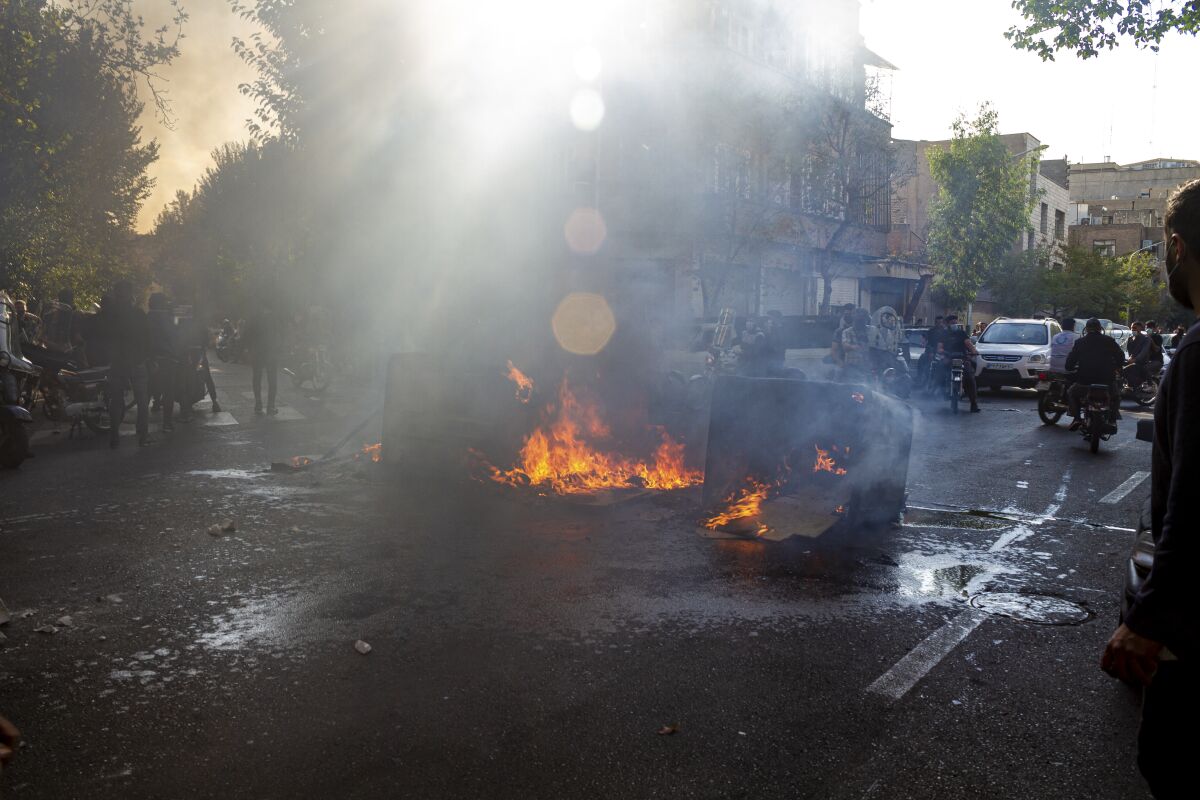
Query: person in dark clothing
[[263, 339], [925, 363], [1158, 641], [1095, 358], [125, 331], [164, 363], [953, 343], [773, 351], [1141, 351]]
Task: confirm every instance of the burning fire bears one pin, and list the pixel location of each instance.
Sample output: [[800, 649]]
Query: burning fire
[[524, 384], [825, 462], [745, 503], [559, 456], [299, 462], [856, 396], [374, 451]]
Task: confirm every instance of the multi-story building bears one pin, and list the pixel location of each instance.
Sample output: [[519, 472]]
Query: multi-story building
[[1048, 221], [711, 169], [1118, 209]]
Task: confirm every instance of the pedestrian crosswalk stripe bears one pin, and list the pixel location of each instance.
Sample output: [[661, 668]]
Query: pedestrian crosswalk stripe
[[219, 418]]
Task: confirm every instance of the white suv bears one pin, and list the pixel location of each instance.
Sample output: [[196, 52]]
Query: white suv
[[1012, 351]]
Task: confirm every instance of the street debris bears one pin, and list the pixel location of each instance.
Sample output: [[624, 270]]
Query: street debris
[[65, 622], [668, 730], [46, 629], [114, 598], [293, 464], [362, 647], [3, 638], [228, 526], [5, 616]]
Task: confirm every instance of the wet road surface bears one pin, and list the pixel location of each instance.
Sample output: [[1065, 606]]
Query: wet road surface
[[524, 647]]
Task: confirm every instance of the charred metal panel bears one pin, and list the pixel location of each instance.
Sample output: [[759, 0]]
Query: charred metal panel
[[837, 448]]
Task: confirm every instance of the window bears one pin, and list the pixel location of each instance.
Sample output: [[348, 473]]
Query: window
[[1029, 242], [1060, 225], [1015, 333], [1106, 220], [1105, 247], [1045, 221]]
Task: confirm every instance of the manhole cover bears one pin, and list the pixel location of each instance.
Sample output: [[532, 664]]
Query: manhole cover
[[1031, 608]]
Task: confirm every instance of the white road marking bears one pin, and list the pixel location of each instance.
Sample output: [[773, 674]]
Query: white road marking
[[909, 670], [287, 414], [220, 418], [1118, 494], [896, 682]]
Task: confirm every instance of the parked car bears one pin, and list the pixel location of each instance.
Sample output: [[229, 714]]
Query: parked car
[[1117, 331], [914, 344], [1013, 351]]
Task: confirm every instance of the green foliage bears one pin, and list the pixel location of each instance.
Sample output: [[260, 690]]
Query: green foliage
[[983, 204], [72, 163], [1017, 284], [1092, 284], [1090, 26]]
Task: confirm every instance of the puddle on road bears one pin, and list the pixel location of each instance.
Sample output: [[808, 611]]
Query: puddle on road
[[258, 621], [229, 474], [1038, 609]]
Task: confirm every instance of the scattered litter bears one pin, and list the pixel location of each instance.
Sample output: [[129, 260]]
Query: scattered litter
[[114, 598], [3, 637], [362, 647], [65, 622], [5, 616], [669, 730], [214, 530], [741, 733], [26, 614], [956, 702], [228, 526], [46, 629]]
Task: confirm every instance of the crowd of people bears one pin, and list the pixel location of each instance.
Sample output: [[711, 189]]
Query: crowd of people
[[159, 357]]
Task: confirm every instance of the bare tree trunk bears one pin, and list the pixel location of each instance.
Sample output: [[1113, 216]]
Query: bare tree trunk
[[911, 308]]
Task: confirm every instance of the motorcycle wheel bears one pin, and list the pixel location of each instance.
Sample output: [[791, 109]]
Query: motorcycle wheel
[[223, 354], [1049, 416], [1147, 393], [954, 401], [1095, 424], [99, 422], [14, 443], [320, 378]]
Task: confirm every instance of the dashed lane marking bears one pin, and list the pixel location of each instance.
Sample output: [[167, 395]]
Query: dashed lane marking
[[1121, 492]]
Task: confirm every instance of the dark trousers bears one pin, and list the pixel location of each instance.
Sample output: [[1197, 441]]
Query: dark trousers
[[1170, 708], [138, 379], [271, 367], [940, 378], [162, 385], [206, 373]]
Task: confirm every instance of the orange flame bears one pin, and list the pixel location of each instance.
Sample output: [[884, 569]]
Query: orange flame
[[745, 503], [825, 462], [559, 456], [375, 451], [299, 462], [523, 382], [858, 397]]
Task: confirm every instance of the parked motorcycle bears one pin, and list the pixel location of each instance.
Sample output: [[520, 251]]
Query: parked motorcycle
[[16, 373], [1094, 413], [230, 346], [315, 370], [1052, 397]]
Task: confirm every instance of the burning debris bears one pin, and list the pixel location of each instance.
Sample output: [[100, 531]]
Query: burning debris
[[371, 451], [523, 382], [825, 462], [742, 509], [563, 455]]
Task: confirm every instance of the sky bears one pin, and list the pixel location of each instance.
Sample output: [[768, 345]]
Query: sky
[[950, 54]]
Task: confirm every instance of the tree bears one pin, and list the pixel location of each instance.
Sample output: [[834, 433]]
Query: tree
[[983, 204], [72, 163], [1093, 284], [1089, 26], [1017, 283]]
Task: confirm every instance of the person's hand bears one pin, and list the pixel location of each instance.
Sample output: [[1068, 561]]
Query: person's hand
[[9, 737], [1130, 656]]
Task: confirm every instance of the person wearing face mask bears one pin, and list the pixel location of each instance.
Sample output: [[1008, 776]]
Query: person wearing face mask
[[1158, 641], [955, 343]]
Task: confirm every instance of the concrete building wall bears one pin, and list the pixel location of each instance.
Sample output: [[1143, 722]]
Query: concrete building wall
[[1118, 240]]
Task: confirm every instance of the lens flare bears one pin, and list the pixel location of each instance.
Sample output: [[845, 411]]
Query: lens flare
[[583, 323]]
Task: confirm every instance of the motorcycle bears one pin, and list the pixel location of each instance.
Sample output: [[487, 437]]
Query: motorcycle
[[1052, 397], [316, 370], [230, 346], [1095, 426], [16, 373], [955, 386], [1146, 392]]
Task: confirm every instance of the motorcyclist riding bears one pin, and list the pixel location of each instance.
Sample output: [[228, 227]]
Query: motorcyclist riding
[[856, 344], [1061, 344], [1095, 358], [956, 343]]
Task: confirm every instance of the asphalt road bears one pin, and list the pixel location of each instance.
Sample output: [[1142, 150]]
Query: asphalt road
[[529, 648]]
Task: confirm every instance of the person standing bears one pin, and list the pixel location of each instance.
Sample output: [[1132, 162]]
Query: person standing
[[1158, 641], [125, 331], [263, 340], [164, 363]]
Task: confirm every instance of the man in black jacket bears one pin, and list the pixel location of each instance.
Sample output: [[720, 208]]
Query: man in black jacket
[[123, 327], [1095, 358], [1159, 641]]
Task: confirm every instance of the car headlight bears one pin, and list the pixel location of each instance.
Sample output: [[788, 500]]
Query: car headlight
[[1037, 358]]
